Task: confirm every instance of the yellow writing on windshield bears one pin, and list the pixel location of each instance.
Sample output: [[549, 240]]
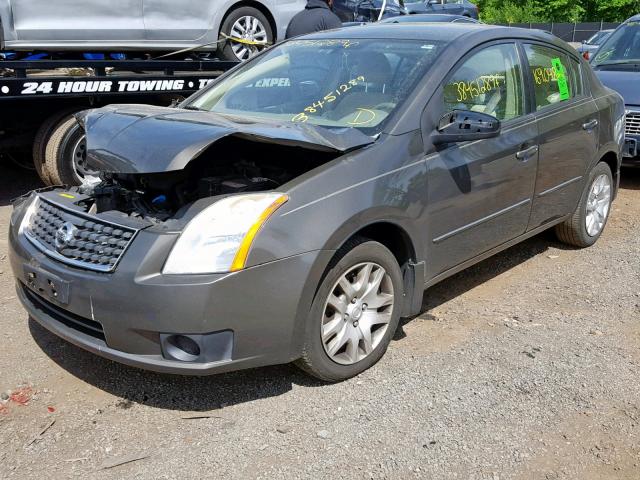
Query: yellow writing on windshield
[[474, 88], [330, 97], [363, 116]]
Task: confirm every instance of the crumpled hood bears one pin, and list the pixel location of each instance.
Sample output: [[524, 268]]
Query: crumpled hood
[[623, 82], [148, 139]]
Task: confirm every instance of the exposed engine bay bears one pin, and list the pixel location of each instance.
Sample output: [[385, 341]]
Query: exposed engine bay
[[231, 165]]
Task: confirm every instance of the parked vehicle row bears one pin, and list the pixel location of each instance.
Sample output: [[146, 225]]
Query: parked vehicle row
[[299, 205], [617, 64]]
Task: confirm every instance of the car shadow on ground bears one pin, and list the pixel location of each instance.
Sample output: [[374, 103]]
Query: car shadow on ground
[[15, 181], [201, 394]]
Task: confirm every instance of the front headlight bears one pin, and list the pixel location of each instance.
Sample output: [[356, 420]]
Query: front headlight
[[218, 239], [31, 210]]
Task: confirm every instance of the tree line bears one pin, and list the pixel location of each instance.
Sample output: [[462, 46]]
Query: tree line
[[544, 11]]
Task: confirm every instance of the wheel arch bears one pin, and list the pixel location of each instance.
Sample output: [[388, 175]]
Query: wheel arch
[[258, 6]]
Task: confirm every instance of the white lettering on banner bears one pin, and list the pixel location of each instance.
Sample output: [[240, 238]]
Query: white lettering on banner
[[84, 87], [106, 86], [149, 85]]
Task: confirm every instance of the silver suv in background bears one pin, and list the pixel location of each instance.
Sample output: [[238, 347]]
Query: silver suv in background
[[145, 25]]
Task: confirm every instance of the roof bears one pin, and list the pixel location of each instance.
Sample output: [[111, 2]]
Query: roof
[[444, 32]]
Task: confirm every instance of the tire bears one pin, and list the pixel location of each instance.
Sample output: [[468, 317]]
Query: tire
[[575, 231], [226, 52], [42, 137], [60, 163], [352, 358]]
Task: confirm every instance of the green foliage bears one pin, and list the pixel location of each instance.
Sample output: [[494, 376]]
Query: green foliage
[[524, 11]]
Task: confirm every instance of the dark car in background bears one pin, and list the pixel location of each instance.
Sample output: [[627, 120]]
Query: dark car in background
[[362, 11], [430, 18], [589, 47], [450, 7], [297, 207], [617, 64]]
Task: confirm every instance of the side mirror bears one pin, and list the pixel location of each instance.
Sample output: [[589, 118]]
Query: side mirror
[[465, 126]]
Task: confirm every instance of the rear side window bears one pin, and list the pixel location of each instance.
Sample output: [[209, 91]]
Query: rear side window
[[555, 77], [489, 81]]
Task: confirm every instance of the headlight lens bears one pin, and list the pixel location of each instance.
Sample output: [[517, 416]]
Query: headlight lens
[[31, 210], [218, 239]]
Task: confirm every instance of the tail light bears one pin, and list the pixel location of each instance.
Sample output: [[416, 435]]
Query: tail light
[[585, 55]]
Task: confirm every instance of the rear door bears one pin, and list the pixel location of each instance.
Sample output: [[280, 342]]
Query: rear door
[[479, 193], [70, 20], [567, 119]]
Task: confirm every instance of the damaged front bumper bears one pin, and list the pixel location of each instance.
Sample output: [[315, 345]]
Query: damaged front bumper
[[138, 316]]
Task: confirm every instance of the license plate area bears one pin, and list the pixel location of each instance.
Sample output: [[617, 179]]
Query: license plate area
[[630, 147], [46, 285]]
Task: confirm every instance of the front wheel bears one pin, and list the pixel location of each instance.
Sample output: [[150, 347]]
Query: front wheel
[[244, 33], [355, 312], [587, 223]]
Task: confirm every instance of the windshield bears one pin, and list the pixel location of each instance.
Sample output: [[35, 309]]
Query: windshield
[[331, 83], [622, 46], [597, 38]]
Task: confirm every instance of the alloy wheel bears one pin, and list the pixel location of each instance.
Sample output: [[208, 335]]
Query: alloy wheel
[[248, 28], [357, 313], [598, 204]]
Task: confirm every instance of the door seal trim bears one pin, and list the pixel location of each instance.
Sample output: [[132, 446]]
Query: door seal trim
[[480, 220], [559, 186]]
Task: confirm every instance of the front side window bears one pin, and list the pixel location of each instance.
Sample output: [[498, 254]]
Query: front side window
[[490, 81], [331, 83], [553, 74]]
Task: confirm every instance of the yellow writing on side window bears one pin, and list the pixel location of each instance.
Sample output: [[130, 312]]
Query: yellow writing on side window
[[474, 88], [544, 75]]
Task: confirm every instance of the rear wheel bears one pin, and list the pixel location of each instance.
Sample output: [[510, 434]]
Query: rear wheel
[[65, 154], [587, 223], [355, 312], [251, 29]]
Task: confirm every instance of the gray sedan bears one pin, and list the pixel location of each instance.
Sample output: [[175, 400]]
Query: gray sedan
[[298, 207]]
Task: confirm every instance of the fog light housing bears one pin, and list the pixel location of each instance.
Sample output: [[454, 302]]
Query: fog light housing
[[201, 348]]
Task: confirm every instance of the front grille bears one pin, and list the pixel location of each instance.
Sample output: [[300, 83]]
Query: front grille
[[79, 240], [632, 125], [71, 320]]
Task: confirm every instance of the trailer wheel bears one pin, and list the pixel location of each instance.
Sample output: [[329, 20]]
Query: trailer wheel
[[42, 138], [65, 154]]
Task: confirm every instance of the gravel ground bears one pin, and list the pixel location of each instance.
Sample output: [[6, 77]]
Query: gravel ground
[[523, 367]]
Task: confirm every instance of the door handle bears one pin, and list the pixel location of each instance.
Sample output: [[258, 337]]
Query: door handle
[[590, 125], [527, 153]]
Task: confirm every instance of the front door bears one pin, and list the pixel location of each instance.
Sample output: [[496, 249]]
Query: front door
[[479, 193], [453, 7], [567, 119], [70, 20]]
